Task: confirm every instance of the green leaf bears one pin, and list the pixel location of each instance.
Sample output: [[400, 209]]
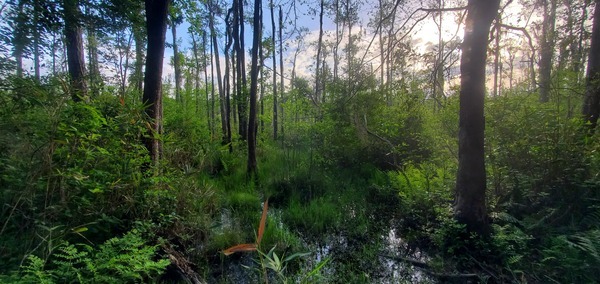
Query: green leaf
[[296, 255]]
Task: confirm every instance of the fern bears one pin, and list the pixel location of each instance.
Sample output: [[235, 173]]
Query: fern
[[587, 242], [34, 271], [119, 260]]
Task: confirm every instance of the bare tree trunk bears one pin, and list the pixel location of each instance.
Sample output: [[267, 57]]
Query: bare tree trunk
[[470, 204], [19, 39], [261, 99], [275, 106], [156, 26], [197, 69], [212, 89], [497, 55], [74, 45], [578, 52], [138, 74], [238, 33], [319, 47], [176, 67], [210, 103], [93, 65], [281, 84], [337, 40], [215, 51], [36, 39], [381, 50], [226, 105], [547, 49], [253, 89], [591, 106]]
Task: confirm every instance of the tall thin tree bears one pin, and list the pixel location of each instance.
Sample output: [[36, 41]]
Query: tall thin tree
[[74, 45], [252, 123], [275, 106], [470, 204], [591, 106], [156, 27]]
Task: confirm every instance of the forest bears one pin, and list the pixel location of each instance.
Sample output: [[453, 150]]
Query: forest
[[299, 141]]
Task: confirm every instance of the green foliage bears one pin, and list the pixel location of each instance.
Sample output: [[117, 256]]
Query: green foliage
[[320, 215], [127, 259]]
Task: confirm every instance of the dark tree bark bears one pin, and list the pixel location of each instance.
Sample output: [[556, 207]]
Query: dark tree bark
[[197, 68], [95, 79], [138, 74], [212, 86], [470, 205], [319, 48], [210, 102], [497, 59], [19, 39], [281, 83], [36, 28], [156, 26], [275, 125], [176, 67], [252, 125], [226, 106], [74, 45], [261, 98], [591, 106], [547, 49], [238, 36], [215, 51]]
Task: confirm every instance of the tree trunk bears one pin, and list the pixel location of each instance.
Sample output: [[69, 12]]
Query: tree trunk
[[470, 205], [275, 125], [497, 56], [19, 39], [547, 49], [215, 51], [281, 84], [226, 106], [197, 69], [138, 74], [591, 106], [337, 40], [253, 89], [578, 52], [319, 48], [92, 47], [156, 26], [176, 67], [238, 24], [36, 38], [212, 85], [210, 101], [74, 45]]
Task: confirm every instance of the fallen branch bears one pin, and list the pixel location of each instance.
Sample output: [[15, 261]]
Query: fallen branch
[[427, 269]]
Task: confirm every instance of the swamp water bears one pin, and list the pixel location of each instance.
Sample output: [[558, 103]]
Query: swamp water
[[352, 258]]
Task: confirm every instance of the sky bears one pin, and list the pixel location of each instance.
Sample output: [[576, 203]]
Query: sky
[[424, 35]]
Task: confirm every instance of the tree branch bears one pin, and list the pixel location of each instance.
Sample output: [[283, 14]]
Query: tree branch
[[427, 269]]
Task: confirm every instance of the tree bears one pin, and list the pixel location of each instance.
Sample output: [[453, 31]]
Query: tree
[[252, 124], [591, 106], [547, 48], [470, 205], [215, 51], [275, 127], [319, 48], [74, 45], [176, 19], [281, 82], [156, 27], [20, 36]]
